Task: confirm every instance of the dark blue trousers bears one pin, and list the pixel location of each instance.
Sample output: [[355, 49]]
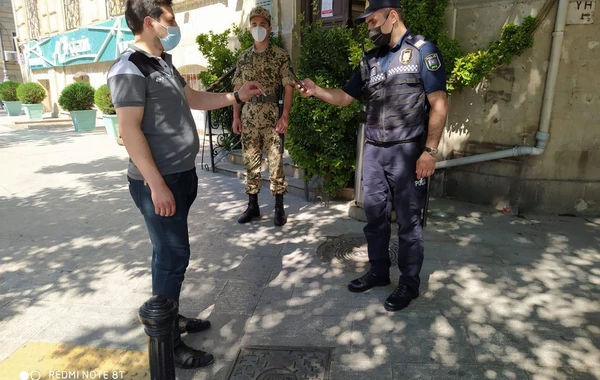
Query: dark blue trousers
[[389, 181], [169, 236]]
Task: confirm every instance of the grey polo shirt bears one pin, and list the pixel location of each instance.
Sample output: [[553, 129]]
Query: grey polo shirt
[[138, 79]]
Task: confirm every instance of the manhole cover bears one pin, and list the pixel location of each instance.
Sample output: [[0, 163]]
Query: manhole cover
[[281, 363], [349, 252]]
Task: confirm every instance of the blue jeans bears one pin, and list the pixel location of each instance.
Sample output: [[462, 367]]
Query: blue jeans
[[389, 181], [169, 235]]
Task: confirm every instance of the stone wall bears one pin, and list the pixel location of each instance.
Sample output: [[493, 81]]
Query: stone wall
[[504, 111]]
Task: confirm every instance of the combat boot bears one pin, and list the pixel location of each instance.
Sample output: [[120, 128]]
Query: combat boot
[[280, 218], [253, 211]]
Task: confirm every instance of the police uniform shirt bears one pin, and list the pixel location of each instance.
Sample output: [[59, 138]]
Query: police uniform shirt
[[433, 70]]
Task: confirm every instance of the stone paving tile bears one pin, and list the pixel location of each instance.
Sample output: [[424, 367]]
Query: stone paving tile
[[239, 297], [224, 337], [463, 372], [8, 346], [97, 326], [408, 339], [335, 299], [25, 319], [297, 330], [502, 297], [360, 370]]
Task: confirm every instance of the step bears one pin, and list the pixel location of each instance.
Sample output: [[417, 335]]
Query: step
[[296, 186], [290, 169]]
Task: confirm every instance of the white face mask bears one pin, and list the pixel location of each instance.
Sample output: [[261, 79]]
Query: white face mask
[[259, 33]]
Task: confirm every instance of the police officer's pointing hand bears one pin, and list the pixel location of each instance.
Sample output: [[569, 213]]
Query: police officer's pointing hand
[[310, 88]]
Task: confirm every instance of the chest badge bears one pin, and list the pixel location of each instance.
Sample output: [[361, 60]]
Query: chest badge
[[406, 56]]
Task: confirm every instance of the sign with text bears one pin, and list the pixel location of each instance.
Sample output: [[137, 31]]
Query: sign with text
[[326, 8], [581, 12], [267, 4], [96, 43]]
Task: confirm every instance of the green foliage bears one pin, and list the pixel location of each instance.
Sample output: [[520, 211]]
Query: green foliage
[[215, 48], [103, 100], [321, 137], [426, 17], [78, 96], [8, 91], [472, 68], [31, 93]]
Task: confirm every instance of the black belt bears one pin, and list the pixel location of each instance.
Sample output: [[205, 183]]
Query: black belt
[[264, 99], [390, 143]]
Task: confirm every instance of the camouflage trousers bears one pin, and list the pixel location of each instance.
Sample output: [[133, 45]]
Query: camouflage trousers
[[254, 140]]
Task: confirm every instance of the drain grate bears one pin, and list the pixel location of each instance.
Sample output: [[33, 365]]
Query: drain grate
[[349, 252], [281, 363]]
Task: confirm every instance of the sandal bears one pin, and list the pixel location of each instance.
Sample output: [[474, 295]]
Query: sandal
[[191, 325], [186, 357]]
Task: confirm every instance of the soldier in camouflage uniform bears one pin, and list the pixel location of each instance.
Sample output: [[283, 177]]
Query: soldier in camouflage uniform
[[260, 123]]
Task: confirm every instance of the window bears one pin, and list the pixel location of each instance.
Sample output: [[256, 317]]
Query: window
[[115, 7], [72, 14], [33, 19]]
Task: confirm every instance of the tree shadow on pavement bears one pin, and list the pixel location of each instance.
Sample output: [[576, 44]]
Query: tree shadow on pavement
[[502, 297]]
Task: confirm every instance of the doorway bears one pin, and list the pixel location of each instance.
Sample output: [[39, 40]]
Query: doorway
[[48, 101]]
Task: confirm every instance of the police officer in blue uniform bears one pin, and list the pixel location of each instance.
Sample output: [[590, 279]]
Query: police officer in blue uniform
[[404, 83]]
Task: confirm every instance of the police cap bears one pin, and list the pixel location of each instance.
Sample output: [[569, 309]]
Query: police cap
[[372, 5]]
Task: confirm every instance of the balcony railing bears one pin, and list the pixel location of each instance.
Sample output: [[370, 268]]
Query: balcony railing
[[33, 19], [72, 14], [115, 7]]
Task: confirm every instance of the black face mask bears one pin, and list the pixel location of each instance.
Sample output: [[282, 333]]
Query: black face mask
[[379, 38]]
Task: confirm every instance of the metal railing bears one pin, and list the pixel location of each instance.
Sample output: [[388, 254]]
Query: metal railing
[[226, 141]]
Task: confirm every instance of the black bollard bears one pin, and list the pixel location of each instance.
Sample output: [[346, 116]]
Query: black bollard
[[158, 316]]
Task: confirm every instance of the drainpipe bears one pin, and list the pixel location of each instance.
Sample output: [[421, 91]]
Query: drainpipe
[[542, 135]]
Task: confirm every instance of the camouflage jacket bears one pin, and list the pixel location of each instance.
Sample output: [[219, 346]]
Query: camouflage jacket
[[270, 69]]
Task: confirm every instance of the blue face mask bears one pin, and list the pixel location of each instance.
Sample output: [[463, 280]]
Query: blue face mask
[[172, 39]]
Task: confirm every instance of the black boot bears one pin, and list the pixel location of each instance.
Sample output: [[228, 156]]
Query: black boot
[[280, 218], [253, 211]]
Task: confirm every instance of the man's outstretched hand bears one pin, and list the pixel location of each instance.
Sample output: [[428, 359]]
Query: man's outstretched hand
[[250, 89]]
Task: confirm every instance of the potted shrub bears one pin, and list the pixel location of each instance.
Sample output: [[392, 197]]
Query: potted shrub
[[32, 94], [8, 95], [78, 99], [104, 103]]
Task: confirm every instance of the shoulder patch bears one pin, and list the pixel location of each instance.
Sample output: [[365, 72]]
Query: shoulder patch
[[432, 62]]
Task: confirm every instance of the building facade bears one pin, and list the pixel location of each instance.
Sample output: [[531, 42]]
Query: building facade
[[58, 40], [8, 51]]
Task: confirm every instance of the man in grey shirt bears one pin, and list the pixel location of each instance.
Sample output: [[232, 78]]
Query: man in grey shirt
[[153, 101]]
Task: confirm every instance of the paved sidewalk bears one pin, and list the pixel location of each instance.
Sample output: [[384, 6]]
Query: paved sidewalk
[[502, 297]]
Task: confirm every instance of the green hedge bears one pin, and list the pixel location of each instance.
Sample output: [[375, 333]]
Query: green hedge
[[78, 96], [8, 91], [31, 93], [103, 100], [322, 137]]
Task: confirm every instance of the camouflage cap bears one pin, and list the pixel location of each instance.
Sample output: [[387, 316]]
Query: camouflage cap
[[260, 11]]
